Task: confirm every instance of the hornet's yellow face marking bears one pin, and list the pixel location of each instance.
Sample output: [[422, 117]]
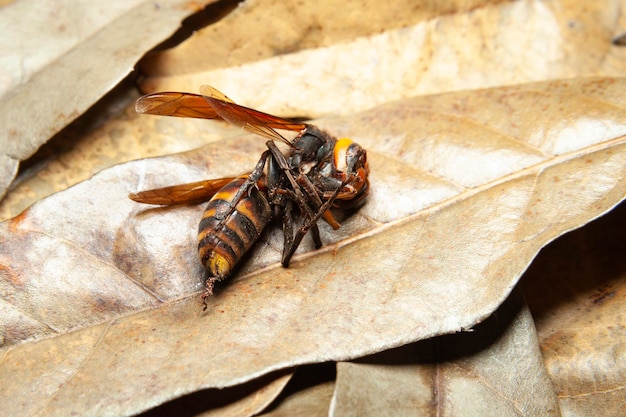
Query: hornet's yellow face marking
[[340, 153]]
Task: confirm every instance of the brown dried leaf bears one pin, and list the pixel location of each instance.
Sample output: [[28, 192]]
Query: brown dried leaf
[[59, 61], [100, 291], [308, 394], [500, 43], [576, 289], [496, 369], [109, 133], [247, 399], [259, 29]]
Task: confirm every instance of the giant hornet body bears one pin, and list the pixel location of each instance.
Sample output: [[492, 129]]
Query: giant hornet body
[[316, 173]]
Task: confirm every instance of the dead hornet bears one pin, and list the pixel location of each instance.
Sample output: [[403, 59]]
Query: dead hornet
[[318, 172]]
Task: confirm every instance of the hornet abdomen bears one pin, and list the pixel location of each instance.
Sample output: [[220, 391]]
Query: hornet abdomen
[[224, 233]]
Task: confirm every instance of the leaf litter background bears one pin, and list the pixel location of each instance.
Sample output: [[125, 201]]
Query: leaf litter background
[[467, 187]]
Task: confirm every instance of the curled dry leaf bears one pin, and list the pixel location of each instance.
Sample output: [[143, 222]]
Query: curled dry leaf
[[576, 290], [60, 60], [308, 394], [466, 188], [460, 47], [247, 399], [496, 369], [261, 29]]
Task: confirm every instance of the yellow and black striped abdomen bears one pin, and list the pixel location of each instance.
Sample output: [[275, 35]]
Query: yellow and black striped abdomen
[[224, 238]]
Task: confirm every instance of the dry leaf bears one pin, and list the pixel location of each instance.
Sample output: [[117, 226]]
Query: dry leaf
[[101, 138], [495, 370], [576, 289], [59, 58], [500, 43], [247, 399], [259, 29], [100, 291], [576, 292], [308, 394]]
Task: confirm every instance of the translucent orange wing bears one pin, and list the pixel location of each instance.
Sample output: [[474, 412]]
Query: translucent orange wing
[[195, 192], [241, 116], [213, 104], [251, 120], [176, 104]]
